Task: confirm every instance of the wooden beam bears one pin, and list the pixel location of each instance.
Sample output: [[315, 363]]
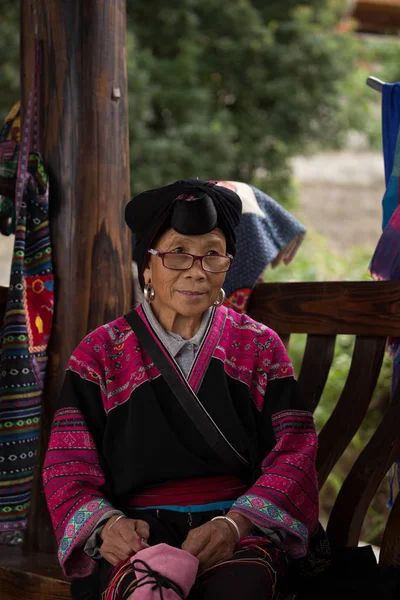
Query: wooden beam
[[328, 308], [378, 16], [84, 133], [36, 577]]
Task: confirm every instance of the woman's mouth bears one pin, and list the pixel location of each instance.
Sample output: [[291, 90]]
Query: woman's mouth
[[190, 294]]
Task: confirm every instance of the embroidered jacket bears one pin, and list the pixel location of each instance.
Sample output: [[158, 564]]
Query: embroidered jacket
[[119, 429]]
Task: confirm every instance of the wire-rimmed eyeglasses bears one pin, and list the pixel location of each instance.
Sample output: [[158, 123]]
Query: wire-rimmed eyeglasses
[[183, 261]]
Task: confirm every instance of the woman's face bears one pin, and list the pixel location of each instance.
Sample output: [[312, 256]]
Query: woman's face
[[185, 293]]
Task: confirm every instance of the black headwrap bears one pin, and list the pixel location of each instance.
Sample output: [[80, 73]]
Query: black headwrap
[[191, 207]]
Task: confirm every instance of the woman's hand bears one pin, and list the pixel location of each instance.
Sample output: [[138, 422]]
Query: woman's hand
[[123, 539], [211, 543], [215, 541]]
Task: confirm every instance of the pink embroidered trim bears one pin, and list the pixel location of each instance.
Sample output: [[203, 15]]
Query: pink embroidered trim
[[252, 354]]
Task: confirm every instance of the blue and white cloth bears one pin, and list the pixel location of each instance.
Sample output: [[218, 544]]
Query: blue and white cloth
[[267, 235]]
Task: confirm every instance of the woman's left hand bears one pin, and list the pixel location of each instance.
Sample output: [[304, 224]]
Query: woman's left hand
[[215, 541]]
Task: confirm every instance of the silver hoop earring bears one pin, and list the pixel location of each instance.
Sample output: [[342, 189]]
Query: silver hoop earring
[[221, 298], [149, 293]]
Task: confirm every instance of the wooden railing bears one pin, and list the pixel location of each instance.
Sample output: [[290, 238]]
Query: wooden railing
[[370, 311]]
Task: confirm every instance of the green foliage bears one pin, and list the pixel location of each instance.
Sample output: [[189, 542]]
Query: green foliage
[[316, 261], [361, 109], [9, 55], [232, 90]]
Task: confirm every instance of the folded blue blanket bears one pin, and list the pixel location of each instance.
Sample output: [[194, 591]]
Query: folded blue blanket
[[267, 235]]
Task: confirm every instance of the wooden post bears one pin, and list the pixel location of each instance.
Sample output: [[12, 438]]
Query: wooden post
[[84, 134]]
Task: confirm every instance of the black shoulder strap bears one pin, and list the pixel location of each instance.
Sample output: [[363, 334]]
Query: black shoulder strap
[[189, 401]]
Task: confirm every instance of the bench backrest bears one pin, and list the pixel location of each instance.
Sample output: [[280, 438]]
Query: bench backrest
[[369, 310]]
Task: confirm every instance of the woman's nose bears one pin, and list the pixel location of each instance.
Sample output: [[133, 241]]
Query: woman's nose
[[196, 269]]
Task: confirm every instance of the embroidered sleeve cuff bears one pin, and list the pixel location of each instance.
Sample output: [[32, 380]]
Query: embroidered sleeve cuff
[[74, 561], [91, 547], [290, 535]]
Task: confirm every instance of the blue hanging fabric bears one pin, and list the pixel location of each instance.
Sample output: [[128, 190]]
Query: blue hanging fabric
[[385, 263], [391, 148], [267, 235]]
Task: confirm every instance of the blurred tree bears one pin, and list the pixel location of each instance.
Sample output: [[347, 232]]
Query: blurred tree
[[227, 90], [232, 90], [377, 56], [9, 55]]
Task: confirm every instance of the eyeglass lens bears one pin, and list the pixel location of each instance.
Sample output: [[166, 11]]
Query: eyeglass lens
[[214, 264]]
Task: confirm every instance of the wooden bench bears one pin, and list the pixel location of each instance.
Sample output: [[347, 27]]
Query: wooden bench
[[32, 576], [368, 310]]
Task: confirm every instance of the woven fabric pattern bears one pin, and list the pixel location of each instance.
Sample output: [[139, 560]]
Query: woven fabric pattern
[[267, 235], [25, 336]]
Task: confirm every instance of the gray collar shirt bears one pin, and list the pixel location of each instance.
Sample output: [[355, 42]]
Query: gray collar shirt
[[183, 351]]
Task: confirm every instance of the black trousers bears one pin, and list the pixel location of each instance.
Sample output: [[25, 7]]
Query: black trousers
[[256, 573]]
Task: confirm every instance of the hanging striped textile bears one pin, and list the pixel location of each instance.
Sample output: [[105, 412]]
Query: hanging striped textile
[[27, 322]]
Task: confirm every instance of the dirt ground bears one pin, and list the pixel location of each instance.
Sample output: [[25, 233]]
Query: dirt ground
[[341, 195]]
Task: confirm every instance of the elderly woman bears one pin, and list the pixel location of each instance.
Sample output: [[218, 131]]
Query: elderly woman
[[179, 424]]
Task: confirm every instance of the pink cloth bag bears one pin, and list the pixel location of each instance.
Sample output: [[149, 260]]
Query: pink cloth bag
[[153, 564]]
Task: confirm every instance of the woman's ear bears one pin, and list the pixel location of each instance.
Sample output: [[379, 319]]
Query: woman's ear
[[147, 273]]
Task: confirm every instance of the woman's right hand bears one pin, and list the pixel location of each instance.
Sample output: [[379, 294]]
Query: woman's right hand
[[122, 540]]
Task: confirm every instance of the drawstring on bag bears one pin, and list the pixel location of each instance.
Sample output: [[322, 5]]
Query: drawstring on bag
[[155, 579]]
